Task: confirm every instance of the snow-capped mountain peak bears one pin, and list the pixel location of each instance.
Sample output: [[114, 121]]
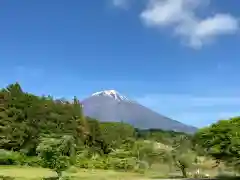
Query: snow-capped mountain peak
[[111, 93]]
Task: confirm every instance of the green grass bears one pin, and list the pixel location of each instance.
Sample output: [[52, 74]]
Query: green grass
[[105, 175], [20, 172], [27, 173]]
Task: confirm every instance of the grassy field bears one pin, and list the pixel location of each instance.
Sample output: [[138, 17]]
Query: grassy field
[[27, 173], [21, 172], [30, 173]]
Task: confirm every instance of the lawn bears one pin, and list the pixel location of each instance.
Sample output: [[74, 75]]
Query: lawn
[[30, 173], [25, 173], [21, 172], [105, 175]]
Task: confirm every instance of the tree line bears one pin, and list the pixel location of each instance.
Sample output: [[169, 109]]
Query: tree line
[[54, 133]]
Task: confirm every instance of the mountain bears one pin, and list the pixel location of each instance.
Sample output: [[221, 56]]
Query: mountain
[[110, 105]]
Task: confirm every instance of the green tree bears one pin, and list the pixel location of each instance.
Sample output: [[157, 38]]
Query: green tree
[[165, 137], [222, 141], [94, 140], [24, 118], [182, 155], [56, 153], [146, 151], [116, 133]]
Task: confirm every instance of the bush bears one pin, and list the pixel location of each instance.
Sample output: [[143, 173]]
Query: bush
[[10, 157], [82, 163], [55, 153], [123, 164], [66, 178], [121, 154], [50, 178], [92, 163], [33, 161], [142, 165], [16, 158], [102, 163], [82, 159], [72, 169], [99, 162], [6, 177]]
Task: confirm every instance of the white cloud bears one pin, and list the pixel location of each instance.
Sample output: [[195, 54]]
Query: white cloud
[[181, 15]]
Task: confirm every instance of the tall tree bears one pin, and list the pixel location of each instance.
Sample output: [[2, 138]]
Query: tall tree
[[24, 118], [222, 141]]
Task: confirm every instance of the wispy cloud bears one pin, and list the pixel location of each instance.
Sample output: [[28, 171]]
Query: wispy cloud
[[190, 109], [181, 16], [121, 3]]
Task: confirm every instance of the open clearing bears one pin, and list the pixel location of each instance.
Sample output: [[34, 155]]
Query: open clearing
[[25, 172], [31, 173], [19, 172]]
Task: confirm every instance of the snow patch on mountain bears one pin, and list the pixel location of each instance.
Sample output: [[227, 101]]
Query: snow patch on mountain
[[113, 94]]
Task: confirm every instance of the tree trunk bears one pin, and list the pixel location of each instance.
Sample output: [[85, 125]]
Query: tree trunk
[[59, 173], [184, 172]]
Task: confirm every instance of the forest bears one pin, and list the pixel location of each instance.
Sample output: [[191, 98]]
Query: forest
[[40, 131]]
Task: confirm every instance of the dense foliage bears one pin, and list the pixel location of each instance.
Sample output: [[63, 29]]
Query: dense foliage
[[53, 133], [57, 153], [222, 141], [25, 118], [166, 137]]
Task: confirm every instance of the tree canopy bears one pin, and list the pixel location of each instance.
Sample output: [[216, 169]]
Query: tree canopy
[[222, 141], [24, 118]]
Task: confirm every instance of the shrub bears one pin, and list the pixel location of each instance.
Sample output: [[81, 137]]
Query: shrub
[[10, 157], [92, 163], [54, 153], [120, 153], [34, 161], [66, 178], [50, 178], [82, 159], [2, 177], [82, 163], [16, 158], [123, 164], [142, 165], [100, 163], [72, 169]]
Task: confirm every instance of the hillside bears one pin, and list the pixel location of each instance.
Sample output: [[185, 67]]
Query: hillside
[[112, 106]]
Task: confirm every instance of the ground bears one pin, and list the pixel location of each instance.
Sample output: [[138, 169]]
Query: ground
[[27, 173], [31, 173]]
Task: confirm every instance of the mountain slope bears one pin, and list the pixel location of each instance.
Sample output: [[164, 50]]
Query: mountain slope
[[111, 106]]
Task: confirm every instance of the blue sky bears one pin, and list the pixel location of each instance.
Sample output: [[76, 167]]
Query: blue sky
[[179, 57]]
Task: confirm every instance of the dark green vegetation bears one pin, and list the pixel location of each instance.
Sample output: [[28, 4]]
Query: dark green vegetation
[[222, 141], [53, 133]]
